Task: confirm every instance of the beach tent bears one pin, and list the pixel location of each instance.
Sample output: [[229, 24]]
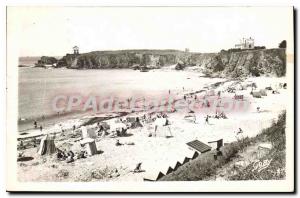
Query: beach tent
[[162, 130], [263, 92], [134, 122], [256, 94], [47, 146], [88, 132]]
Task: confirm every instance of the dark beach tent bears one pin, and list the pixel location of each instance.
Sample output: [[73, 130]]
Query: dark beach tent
[[256, 94], [263, 92], [47, 146]]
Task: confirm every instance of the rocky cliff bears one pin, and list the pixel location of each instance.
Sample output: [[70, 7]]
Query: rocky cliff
[[225, 63], [245, 63]]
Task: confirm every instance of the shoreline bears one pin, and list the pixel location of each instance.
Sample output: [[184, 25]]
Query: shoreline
[[50, 120]]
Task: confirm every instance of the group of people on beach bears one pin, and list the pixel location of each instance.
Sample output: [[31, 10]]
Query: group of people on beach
[[36, 126]]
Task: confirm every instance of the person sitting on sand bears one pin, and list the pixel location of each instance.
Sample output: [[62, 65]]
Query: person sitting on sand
[[138, 168], [240, 131], [69, 159], [118, 143], [222, 115], [60, 155], [82, 154]]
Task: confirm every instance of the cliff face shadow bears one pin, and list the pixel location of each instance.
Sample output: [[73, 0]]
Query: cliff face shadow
[[24, 159]]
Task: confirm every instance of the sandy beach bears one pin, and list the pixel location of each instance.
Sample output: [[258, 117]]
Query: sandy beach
[[118, 162]]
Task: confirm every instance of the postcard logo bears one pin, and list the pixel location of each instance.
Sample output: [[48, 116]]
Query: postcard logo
[[213, 104]]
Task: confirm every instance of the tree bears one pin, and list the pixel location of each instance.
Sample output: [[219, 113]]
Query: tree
[[282, 44]]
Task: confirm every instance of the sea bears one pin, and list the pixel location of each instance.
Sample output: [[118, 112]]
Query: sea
[[38, 87]]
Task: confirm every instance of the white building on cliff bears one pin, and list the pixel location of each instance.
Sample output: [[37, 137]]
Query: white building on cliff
[[245, 43]]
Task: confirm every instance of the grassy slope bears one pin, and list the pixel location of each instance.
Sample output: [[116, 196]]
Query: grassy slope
[[205, 166]]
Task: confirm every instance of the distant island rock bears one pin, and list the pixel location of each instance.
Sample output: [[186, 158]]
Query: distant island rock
[[46, 61]]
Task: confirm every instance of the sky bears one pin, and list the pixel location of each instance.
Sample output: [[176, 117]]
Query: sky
[[53, 31]]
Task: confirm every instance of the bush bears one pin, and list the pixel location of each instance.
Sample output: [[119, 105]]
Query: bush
[[282, 44]]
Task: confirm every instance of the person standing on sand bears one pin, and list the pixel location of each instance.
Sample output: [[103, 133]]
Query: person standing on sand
[[41, 128], [169, 91], [206, 120], [258, 109], [35, 124]]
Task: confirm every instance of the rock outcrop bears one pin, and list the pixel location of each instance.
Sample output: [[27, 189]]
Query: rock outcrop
[[46, 60]]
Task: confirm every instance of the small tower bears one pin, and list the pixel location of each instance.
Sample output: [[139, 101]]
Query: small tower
[[75, 50]]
